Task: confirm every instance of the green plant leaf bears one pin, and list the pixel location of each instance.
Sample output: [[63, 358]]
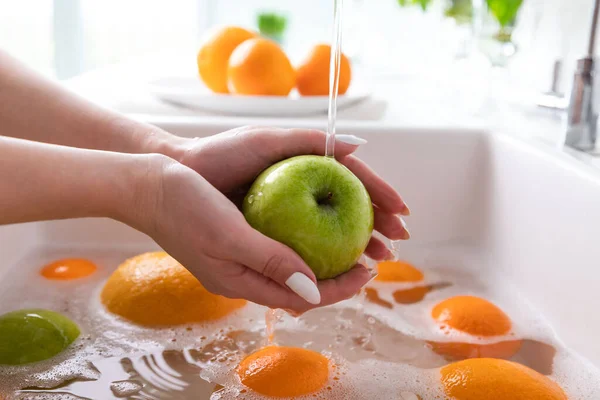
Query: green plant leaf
[[505, 11], [271, 24], [423, 3], [460, 10]]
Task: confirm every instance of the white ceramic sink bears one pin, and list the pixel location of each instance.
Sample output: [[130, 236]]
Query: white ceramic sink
[[532, 213]]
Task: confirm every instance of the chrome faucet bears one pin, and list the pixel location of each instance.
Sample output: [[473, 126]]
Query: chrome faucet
[[582, 112]]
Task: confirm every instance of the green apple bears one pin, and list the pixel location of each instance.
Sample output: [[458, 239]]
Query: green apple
[[317, 207], [34, 335]]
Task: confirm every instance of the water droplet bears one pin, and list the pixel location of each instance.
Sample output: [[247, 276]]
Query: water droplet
[[260, 194], [251, 199]]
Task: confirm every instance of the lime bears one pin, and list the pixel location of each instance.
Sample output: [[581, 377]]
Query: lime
[[34, 335]]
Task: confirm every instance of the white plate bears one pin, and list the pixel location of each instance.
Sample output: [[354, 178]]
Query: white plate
[[192, 93]]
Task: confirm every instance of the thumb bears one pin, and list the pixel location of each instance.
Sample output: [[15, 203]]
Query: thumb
[[278, 262]]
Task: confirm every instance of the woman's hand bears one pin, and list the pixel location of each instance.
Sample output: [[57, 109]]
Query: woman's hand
[[198, 225], [205, 232], [184, 209], [230, 161]]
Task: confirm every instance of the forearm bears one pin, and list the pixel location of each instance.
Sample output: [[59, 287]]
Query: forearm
[[44, 182], [34, 108]]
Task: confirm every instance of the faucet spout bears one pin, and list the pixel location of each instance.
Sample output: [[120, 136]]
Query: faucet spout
[[582, 113]]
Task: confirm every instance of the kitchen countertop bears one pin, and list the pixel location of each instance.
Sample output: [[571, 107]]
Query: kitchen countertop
[[452, 98]]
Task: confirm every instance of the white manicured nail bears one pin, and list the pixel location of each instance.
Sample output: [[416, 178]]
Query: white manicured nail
[[406, 231], [351, 139], [304, 287], [403, 222]]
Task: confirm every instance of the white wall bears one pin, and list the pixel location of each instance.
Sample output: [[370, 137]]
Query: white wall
[[389, 38]]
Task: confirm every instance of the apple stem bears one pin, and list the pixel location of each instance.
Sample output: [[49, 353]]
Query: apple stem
[[329, 196]]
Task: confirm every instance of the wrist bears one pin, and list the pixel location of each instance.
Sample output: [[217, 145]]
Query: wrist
[[136, 137], [158, 141], [138, 195]]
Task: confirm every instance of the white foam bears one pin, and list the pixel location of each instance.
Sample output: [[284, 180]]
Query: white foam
[[380, 352]]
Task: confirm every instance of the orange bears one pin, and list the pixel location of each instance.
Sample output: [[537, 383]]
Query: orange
[[260, 67], [69, 268], [153, 289], [477, 317], [401, 271], [472, 315], [313, 73], [488, 378], [284, 371], [397, 271], [214, 53]]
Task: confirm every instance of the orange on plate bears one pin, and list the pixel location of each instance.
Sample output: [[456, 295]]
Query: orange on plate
[[284, 371], [153, 289], [214, 53], [488, 378], [68, 269], [313, 73], [476, 317], [260, 67]]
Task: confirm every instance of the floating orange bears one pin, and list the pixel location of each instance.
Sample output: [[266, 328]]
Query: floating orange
[[153, 289], [68, 269], [284, 371], [401, 271], [488, 378], [398, 271], [479, 318]]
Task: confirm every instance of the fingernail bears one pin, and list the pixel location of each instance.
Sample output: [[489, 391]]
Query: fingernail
[[406, 234], [351, 139], [406, 210], [304, 287]]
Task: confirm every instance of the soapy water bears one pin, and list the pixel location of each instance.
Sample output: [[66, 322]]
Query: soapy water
[[377, 351]]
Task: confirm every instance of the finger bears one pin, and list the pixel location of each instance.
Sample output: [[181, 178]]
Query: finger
[[278, 144], [390, 225], [257, 288], [344, 286], [378, 251], [382, 193], [277, 262]]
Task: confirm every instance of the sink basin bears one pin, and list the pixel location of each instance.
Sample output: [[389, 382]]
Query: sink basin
[[531, 214]]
